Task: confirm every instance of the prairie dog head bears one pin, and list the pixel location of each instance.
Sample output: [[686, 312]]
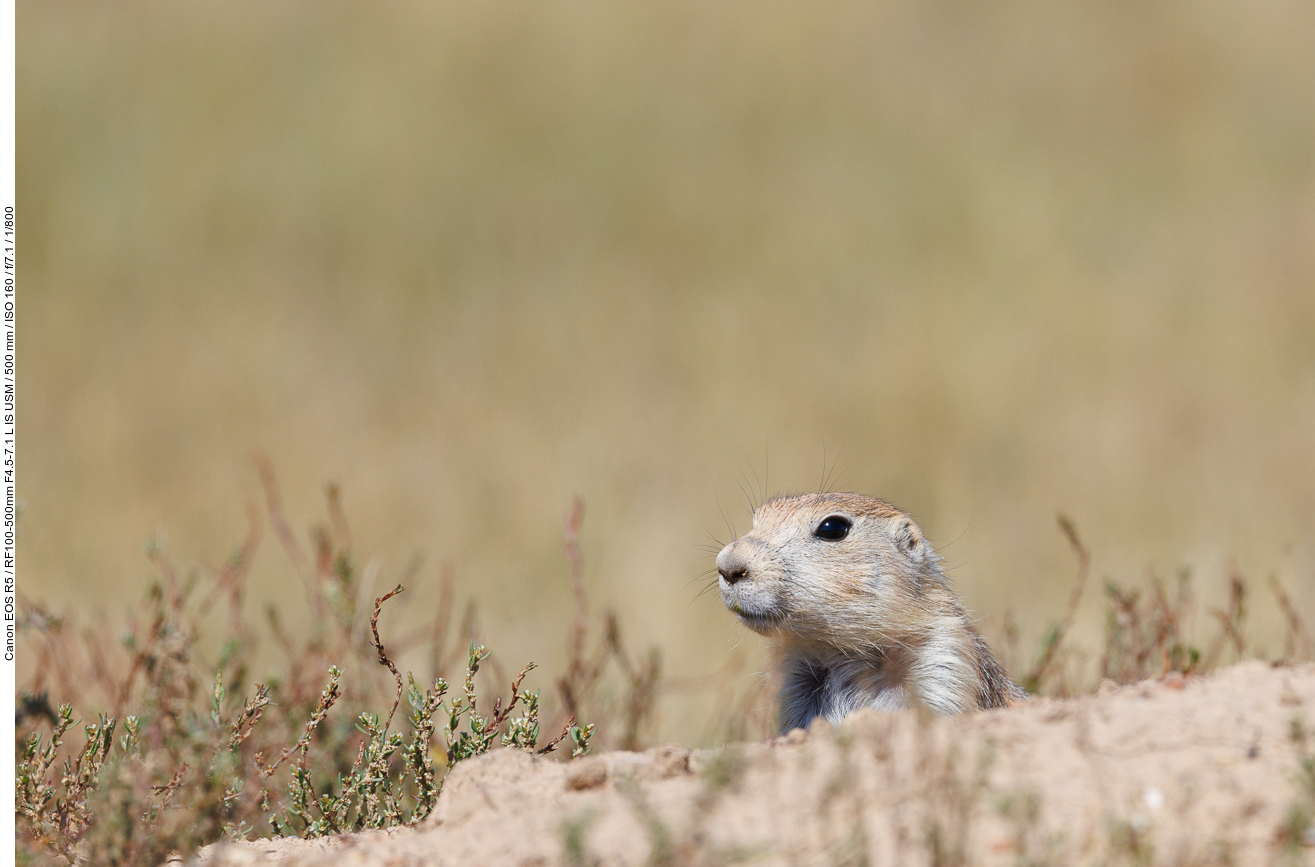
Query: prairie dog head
[[842, 569]]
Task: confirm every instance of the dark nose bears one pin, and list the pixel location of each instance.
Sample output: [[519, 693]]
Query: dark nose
[[733, 574], [732, 565]]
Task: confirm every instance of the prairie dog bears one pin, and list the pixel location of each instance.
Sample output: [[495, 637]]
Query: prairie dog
[[860, 609]]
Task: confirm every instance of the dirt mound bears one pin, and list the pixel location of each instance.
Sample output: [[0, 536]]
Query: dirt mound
[[1183, 771]]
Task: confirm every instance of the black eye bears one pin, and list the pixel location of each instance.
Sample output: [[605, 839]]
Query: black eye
[[834, 528]]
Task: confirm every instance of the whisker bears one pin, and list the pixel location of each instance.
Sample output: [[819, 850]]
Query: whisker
[[729, 525], [757, 482], [739, 637], [840, 475], [747, 496], [711, 586], [706, 573], [829, 468]]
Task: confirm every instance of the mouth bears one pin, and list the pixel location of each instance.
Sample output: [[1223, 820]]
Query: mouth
[[762, 623]]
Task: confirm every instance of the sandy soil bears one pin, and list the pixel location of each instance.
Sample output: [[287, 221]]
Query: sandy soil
[[1194, 771]]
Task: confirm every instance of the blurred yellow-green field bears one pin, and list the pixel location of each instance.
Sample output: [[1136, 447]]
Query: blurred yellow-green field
[[471, 259]]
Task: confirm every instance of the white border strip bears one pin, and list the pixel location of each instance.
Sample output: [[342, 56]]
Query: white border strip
[[8, 28]]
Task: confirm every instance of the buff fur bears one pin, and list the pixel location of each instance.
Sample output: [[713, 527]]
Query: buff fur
[[865, 621]]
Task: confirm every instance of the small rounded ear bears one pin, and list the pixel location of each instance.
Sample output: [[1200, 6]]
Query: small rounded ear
[[908, 538]]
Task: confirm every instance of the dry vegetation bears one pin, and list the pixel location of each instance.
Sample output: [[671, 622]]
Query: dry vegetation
[[474, 260], [207, 754], [471, 260], [1190, 772]]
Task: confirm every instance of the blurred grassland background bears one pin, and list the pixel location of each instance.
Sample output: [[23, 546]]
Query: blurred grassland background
[[472, 259]]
